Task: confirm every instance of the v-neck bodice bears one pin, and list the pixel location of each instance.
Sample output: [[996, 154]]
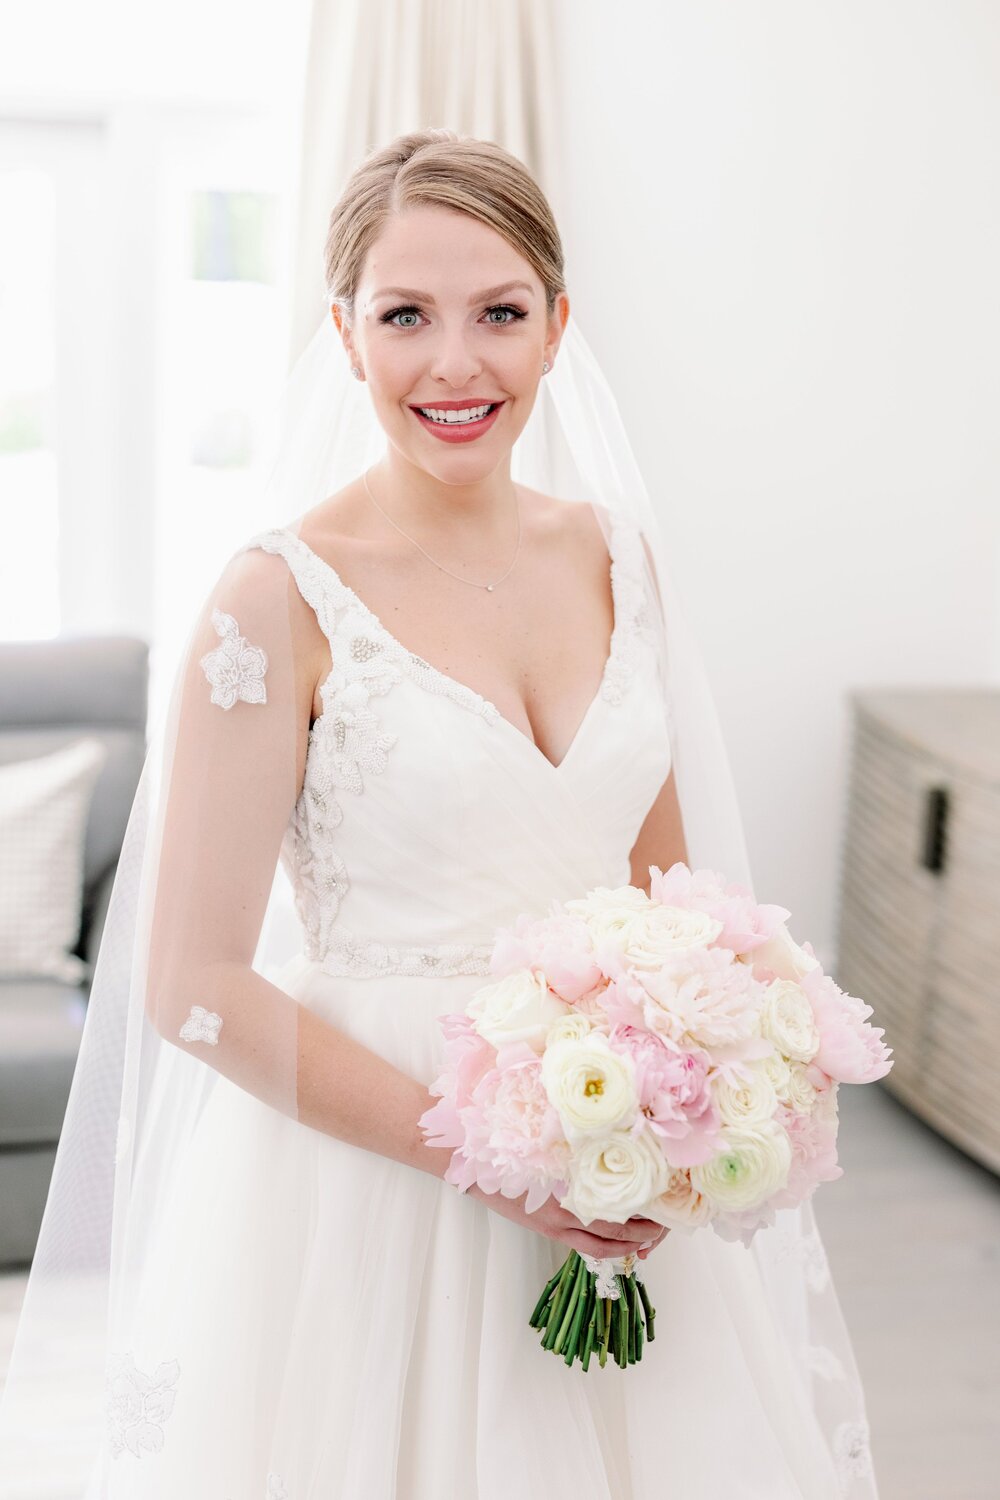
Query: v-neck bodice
[[455, 820]]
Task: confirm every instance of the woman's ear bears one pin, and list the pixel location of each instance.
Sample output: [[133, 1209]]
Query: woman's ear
[[337, 314], [557, 323]]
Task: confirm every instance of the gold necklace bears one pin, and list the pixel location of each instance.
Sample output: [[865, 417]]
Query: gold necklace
[[489, 586]]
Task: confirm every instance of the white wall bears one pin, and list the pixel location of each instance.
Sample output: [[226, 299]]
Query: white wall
[[782, 233]]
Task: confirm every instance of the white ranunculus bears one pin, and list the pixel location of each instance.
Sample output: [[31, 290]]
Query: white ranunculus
[[788, 1021], [752, 1164], [592, 1087], [746, 1103], [782, 954], [518, 1008], [616, 1176]]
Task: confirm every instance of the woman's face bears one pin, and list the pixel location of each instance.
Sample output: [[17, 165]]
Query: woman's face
[[436, 326]]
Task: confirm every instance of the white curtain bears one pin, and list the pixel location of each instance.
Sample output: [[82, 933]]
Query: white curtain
[[376, 68]]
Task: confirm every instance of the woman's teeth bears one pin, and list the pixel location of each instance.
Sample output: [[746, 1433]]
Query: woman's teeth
[[467, 414]]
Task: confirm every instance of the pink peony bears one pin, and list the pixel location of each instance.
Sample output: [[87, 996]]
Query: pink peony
[[850, 1050], [813, 1139], [558, 944], [703, 997], [510, 1139], [468, 1057], [674, 1095]]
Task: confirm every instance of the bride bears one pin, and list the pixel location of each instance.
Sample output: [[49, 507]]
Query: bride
[[252, 1281]]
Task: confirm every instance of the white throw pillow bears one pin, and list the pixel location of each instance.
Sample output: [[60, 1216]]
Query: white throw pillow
[[44, 807]]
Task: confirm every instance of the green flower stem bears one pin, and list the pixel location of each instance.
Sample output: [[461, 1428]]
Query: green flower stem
[[594, 1304], [571, 1306], [580, 1320], [633, 1319], [538, 1316], [623, 1321], [648, 1309], [606, 1305], [566, 1278]]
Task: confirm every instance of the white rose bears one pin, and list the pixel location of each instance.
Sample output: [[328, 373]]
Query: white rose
[[746, 1103], [572, 1028], [615, 1177], [798, 1092], [782, 954], [777, 1069], [646, 931], [679, 1206], [788, 1021], [602, 901], [592, 1087], [752, 1164], [518, 1008], [663, 930], [610, 914]]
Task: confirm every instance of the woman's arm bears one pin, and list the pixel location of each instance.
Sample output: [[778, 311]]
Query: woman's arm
[[230, 785], [661, 838]]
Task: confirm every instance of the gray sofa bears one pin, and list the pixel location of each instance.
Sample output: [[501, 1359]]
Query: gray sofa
[[52, 692]]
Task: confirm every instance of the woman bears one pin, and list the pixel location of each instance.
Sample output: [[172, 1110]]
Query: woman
[[287, 1297]]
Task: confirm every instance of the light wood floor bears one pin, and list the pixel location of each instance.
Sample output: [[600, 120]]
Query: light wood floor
[[912, 1230]]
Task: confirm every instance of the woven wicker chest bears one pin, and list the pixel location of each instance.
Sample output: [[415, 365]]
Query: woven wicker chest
[[919, 901]]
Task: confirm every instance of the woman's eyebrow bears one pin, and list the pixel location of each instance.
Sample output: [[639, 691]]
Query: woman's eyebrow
[[493, 291]]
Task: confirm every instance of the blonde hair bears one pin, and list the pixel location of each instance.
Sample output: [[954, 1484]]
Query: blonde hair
[[436, 166]]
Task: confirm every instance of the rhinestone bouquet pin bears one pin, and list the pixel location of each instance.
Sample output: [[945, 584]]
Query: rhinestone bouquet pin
[[673, 1056]]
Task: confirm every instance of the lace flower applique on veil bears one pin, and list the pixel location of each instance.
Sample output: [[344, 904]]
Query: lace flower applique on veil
[[235, 668]]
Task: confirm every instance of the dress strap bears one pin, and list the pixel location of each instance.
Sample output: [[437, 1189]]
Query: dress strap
[[311, 575]]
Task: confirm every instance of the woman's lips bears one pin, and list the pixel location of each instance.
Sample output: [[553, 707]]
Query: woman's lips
[[458, 432]]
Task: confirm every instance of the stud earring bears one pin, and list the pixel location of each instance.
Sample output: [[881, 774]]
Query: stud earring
[[355, 372], [545, 368]]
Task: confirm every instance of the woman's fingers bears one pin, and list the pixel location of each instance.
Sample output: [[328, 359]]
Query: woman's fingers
[[592, 1244], [635, 1230]]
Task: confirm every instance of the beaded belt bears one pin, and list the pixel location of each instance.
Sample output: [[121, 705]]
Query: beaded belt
[[357, 957]]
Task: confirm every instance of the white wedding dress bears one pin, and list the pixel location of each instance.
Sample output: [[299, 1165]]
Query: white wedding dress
[[323, 1323]]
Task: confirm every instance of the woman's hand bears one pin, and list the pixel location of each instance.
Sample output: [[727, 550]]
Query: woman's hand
[[601, 1237]]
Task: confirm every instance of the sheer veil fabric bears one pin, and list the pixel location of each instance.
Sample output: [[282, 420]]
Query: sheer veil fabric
[[189, 1004]]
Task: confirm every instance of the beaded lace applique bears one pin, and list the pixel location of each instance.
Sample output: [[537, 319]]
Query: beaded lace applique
[[347, 742], [807, 1248], [235, 668], [138, 1404], [852, 1453], [201, 1026], [368, 958]]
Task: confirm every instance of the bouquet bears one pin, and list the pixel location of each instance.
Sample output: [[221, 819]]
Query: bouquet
[[675, 1055]]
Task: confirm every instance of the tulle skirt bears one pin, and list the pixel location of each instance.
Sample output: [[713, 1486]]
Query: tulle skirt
[[322, 1323]]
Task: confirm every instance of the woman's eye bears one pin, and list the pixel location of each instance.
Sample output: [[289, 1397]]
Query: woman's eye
[[515, 312], [400, 312]]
